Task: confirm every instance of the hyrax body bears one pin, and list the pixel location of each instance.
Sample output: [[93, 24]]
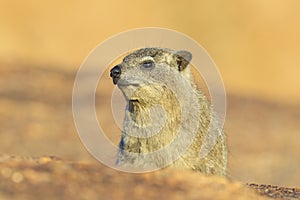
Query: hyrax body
[[167, 118]]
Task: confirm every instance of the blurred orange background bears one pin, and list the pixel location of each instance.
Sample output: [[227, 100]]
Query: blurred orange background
[[255, 43]]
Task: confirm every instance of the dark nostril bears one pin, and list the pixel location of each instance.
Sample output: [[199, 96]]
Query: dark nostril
[[115, 72]]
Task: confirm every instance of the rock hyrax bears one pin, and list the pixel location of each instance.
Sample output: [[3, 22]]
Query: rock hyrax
[[167, 118]]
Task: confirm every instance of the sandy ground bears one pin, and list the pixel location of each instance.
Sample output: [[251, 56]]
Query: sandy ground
[[51, 178]]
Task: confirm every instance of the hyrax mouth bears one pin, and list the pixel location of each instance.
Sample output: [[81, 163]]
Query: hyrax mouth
[[122, 82], [115, 80]]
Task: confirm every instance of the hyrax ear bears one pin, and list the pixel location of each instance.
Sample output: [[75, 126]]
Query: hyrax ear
[[183, 58]]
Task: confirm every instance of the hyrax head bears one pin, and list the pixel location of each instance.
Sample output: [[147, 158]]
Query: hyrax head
[[150, 68]]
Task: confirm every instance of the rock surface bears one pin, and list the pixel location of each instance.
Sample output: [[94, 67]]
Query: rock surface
[[277, 192], [53, 178]]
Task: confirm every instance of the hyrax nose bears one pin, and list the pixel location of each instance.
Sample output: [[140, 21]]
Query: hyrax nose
[[115, 73]]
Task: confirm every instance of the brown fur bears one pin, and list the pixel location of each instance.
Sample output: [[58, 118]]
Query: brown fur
[[143, 94]]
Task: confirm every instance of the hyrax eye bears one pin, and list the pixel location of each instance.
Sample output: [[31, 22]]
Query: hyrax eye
[[148, 64]]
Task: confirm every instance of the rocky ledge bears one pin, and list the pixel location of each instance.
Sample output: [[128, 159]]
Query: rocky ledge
[[53, 178]]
